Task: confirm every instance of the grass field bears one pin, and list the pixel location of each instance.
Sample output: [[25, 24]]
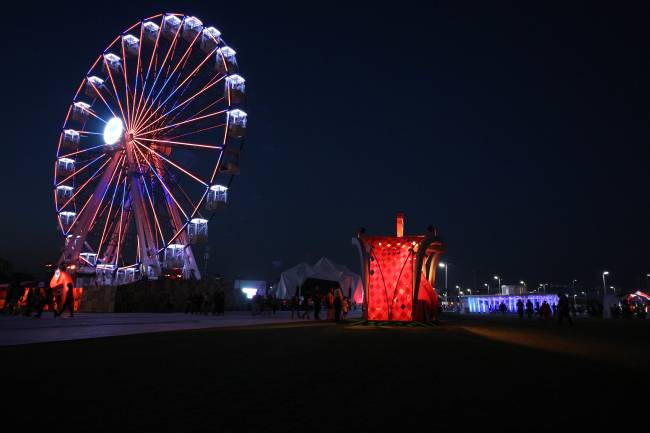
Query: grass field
[[468, 374]]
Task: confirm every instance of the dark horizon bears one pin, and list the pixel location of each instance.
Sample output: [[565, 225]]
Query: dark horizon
[[521, 132]]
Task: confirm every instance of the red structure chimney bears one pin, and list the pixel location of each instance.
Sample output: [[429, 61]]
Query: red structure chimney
[[400, 225]]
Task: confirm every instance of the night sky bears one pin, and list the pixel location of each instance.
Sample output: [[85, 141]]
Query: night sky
[[522, 132]]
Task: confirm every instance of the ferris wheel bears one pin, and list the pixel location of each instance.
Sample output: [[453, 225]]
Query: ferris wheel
[[149, 147]]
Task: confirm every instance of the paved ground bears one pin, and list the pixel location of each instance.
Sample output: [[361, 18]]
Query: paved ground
[[25, 330], [468, 375]]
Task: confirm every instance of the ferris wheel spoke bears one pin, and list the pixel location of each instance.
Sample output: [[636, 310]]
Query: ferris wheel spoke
[[194, 119], [83, 208], [180, 230], [195, 132], [184, 103], [110, 209], [181, 61], [153, 209], [81, 170], [117, 97], [127, 120], [138, 70], [67, 155], [98, 206], [154, 53], [99, 94], [192, 74], [108, 187], [162, 182], [172, 163], [162, 66], [181, 143], [200, 112], [85, 184], [119, 239]]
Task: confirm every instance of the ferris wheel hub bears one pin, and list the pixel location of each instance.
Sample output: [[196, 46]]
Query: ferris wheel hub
[[113, 131]]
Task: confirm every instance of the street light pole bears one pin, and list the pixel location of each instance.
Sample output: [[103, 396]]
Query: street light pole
[[496, 277], [604, 283], [445, 266], [488, 287]]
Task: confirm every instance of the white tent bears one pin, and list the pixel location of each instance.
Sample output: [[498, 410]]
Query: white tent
[[324, 269]]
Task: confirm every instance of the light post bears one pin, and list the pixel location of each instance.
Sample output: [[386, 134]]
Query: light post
[[460, 292], [444, 265], [488, 287], [604, 283], [496, 277], [523, 284], [647, 278]]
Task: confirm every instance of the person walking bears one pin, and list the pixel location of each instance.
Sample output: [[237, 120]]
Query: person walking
[[529, 309], [563, 309], [46, 301], [346, 307], [338, 305], [294, 304], [520, 308], [69, 301], [62, 282], [545, 311], [317, 306], [329, 304], [307, 306]]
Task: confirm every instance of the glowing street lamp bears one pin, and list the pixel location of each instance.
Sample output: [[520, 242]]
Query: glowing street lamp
[[444, 265], [488, 287], [496, 277], [604, 283]]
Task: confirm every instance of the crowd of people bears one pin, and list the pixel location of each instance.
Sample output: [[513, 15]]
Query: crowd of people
[[56, 297], [337, 305], [545, 311], [204, 303]]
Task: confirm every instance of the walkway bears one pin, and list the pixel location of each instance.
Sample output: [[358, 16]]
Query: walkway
[[16, 330]]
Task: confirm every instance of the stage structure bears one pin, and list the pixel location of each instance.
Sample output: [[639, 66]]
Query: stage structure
[[148, 150], [399, 274]]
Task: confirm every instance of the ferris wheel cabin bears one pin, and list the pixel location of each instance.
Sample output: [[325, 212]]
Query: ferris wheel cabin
[[226, 60], [192, 27], [210, 39], [217, 197], [171, 25], [197, 231], [80, 113], [70, 139], [236, 123]]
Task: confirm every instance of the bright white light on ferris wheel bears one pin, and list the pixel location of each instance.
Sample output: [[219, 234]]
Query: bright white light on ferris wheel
[[113, 131]]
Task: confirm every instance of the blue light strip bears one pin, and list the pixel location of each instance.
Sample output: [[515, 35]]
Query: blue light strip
[[488, 304]]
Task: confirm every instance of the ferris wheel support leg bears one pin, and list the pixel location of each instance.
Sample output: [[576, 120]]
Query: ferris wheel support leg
[[84, 222], [148, 251]]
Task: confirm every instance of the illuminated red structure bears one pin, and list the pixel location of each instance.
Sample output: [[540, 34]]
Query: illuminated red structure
[[399, 274]]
